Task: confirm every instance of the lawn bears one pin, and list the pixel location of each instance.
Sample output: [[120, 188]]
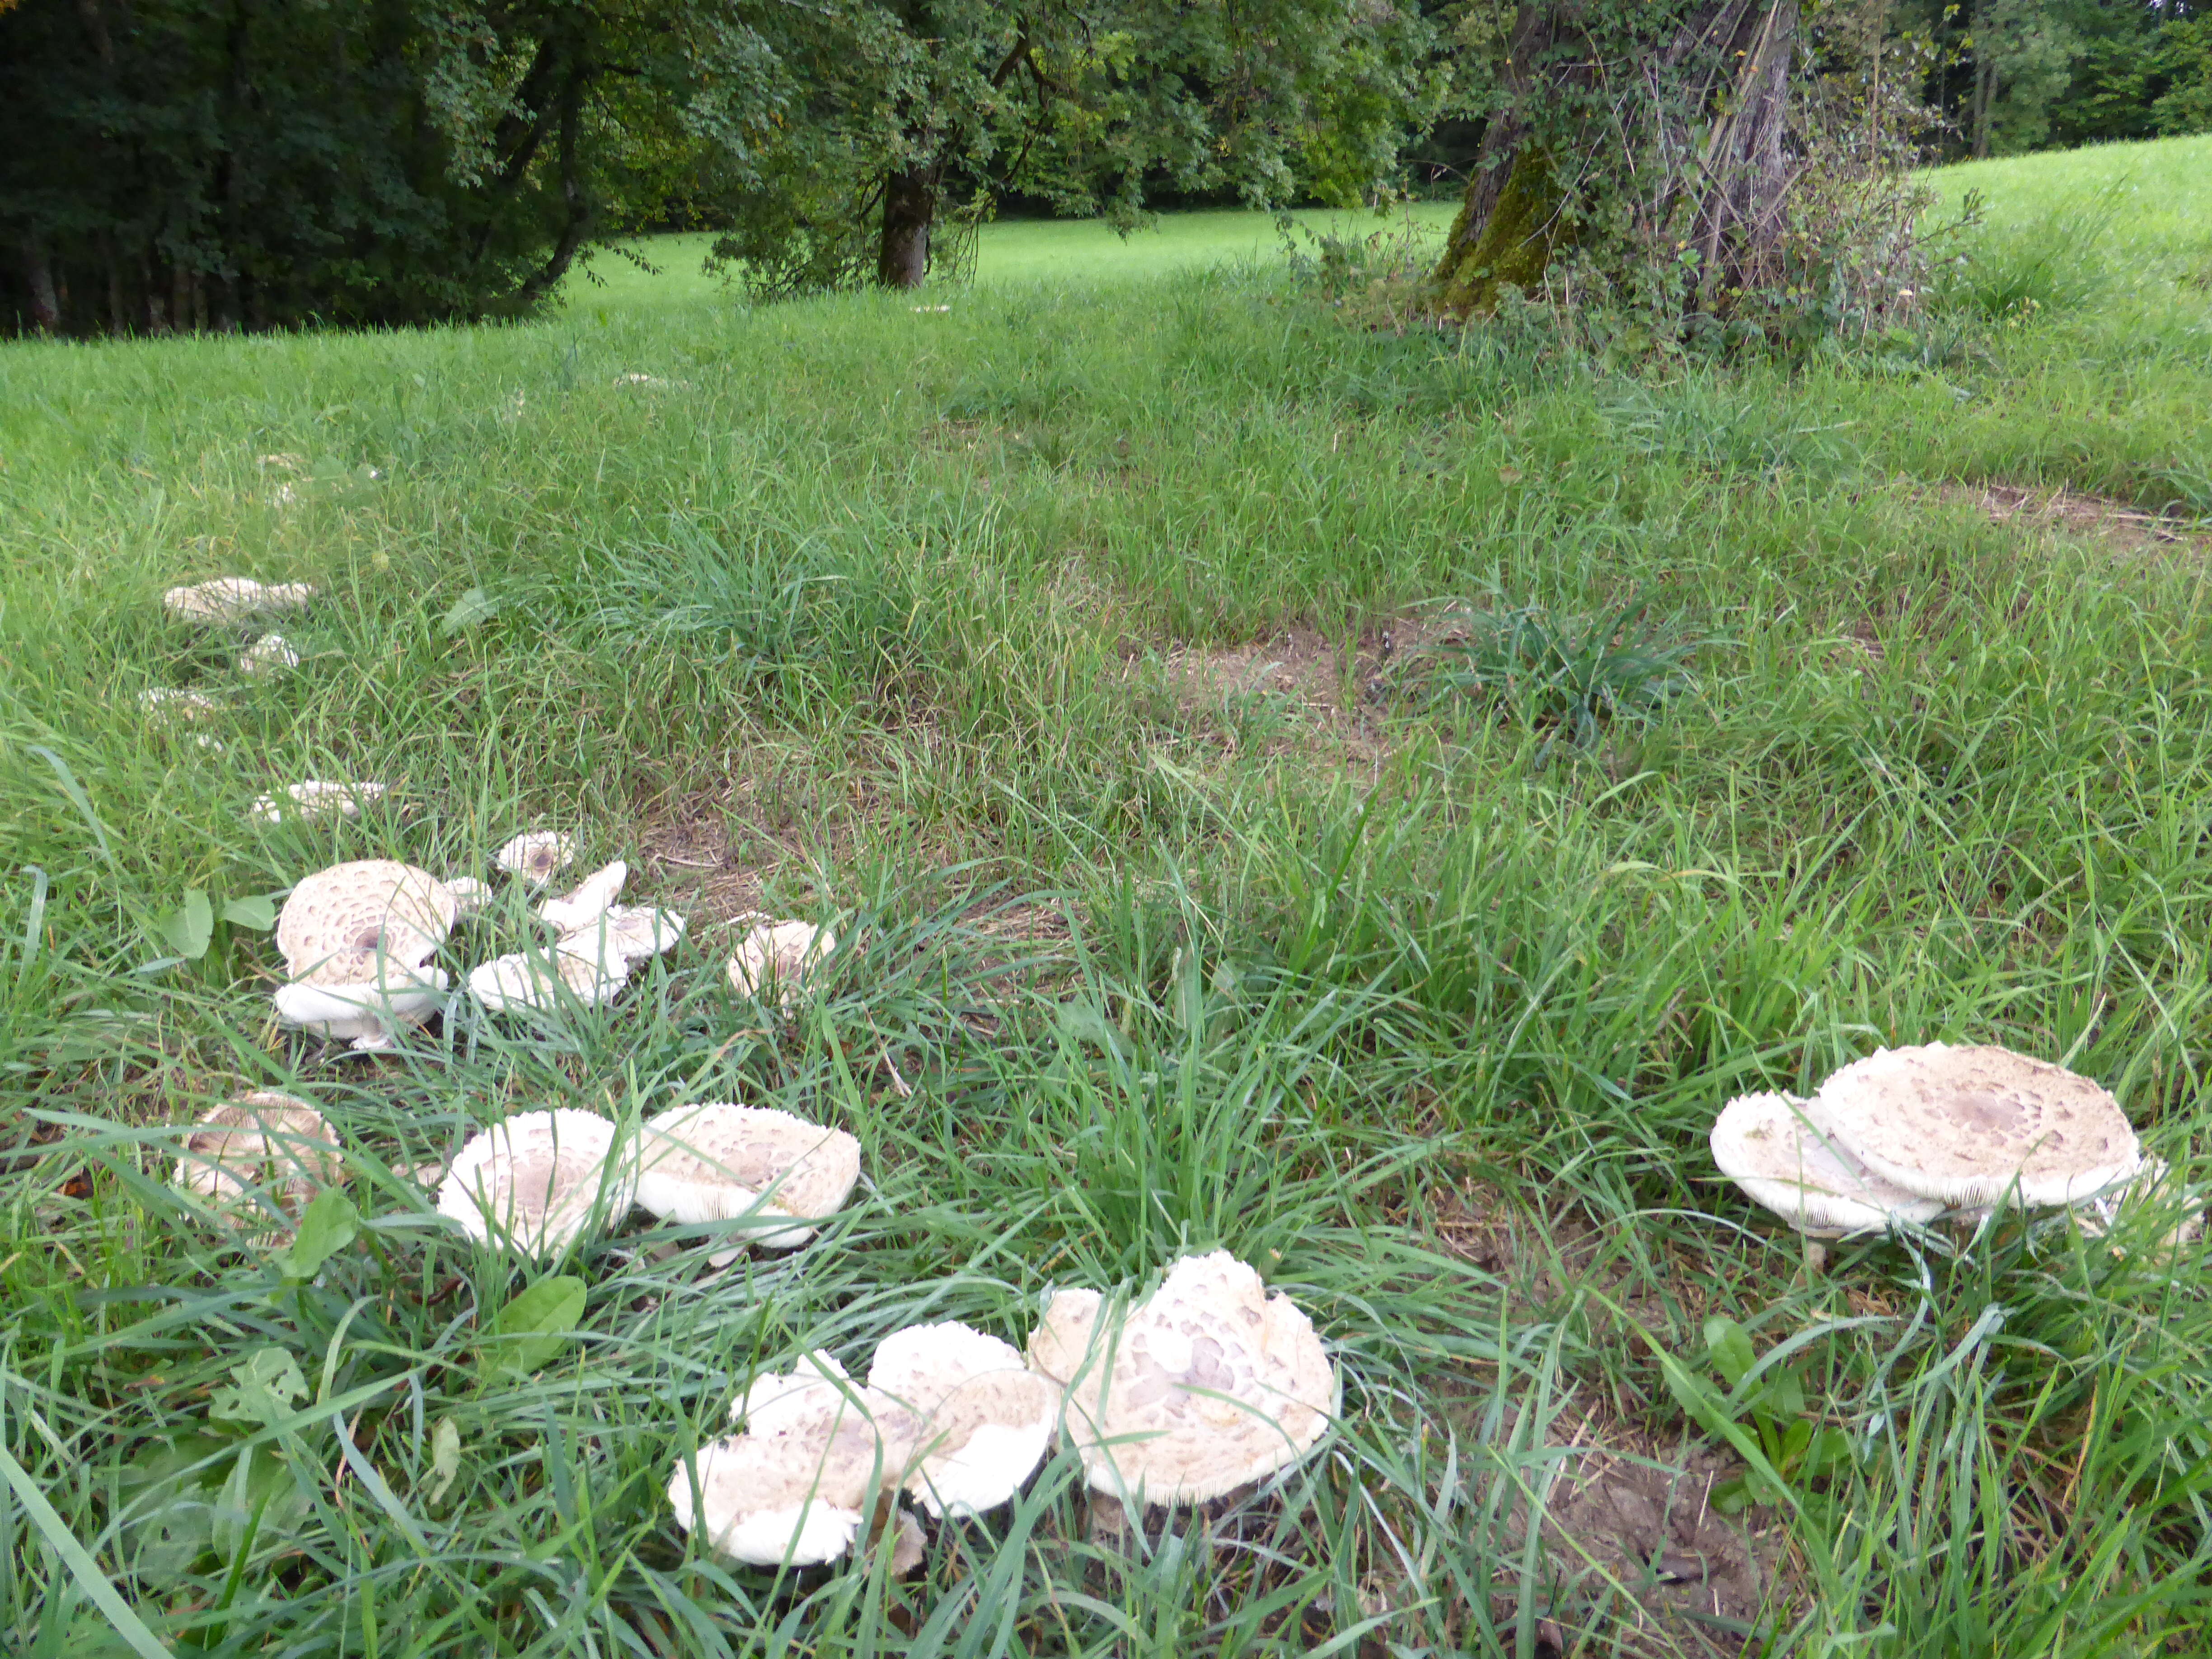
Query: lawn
[[1089, 655]]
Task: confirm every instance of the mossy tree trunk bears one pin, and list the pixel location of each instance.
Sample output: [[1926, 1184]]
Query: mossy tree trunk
[[1681, 110]]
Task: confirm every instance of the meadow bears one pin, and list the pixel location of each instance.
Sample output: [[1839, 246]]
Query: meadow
[[1103, 654]]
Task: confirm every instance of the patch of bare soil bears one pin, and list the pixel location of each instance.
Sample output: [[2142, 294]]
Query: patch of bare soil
[[2080, 513], [1299, 692]]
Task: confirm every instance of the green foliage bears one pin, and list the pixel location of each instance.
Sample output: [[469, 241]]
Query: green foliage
[[1769, 1398]]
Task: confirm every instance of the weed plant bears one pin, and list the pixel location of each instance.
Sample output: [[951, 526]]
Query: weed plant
[[891, 618]]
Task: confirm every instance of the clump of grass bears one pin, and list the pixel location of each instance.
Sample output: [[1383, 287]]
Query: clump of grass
[[2053, 265]]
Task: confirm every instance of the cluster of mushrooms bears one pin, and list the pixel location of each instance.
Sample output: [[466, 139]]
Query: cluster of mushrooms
[[1205, 1385], [1908, 1136], [229, 602]]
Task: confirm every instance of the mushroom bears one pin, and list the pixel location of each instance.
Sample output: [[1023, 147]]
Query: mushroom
[[537, 855], [776, 959], [369, 905], [537, 1180], [269, 654], [167, 708], [817, 1454], [631, 931], [233, 598], [984, 1419], [274, 1142], [1971, 1125], [315, 798], [512, 983], [1207, 1385], [364, 996], [1765, 1144], [589, 900], [718, 1161], [471, 896]]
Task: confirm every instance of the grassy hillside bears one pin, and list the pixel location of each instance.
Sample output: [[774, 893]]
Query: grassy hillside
[[1105, 660]]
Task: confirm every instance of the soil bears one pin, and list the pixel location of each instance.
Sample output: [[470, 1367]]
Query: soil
[[2082, 513]]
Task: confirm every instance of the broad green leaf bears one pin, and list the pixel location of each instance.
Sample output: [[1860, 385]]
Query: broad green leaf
[[472, 607], [1733, 1354], [326, 1226], [534, 1326], [257, 913], [190, 926], [262, 1391]]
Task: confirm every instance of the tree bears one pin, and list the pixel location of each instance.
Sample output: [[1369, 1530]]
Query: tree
[[896, 116], [170, 164], [1622, 125]]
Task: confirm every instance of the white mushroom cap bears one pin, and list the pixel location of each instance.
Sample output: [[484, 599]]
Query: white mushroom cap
[[1765, 1145], [1971, 1125], [518, 982], [314, 798], [537, 855], [538, 1179], [718, 1161], [818, 1454], [469, 895], [370, 904], [778, 958], [368, 1009], [1208, 1383], [590, 900], [271, 653], [233, 598], [630, 931], [984, 1419], [274, 1142]]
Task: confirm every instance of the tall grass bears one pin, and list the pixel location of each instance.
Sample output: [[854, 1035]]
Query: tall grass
[[914, 622]]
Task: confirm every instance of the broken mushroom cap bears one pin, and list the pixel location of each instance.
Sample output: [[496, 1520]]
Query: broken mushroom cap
[[1765, 1144], [631, 931], [233, 598], [1208, 1383], [370, 904], [779, 958], [315, 798], [983, 1418], [537, 855], [588, 902], [271, 653], [363, 995], [521, 982], [817, 1454], [718, 1161], [275, 1143], [1971, 1125], [537, 1180]]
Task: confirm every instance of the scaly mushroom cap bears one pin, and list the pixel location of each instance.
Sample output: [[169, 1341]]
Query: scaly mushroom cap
[[233, 598], [537, 855], [817, 1453], [984, 1419], [1970, 1125], [1763, 1143], [512, 983], [315, 798], [367, 905], [780, 958], [588, 903], [370, 1009], [271, 653], [1208, 1383], [538, 1179], [274, 1142], [718, 1161]]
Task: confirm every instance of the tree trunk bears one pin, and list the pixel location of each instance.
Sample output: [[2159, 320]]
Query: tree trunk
[[45, 305], [909, 210], [1726, 61], [1986, 94]]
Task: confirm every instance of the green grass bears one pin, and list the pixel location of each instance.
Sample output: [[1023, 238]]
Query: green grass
[[956, 627]]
